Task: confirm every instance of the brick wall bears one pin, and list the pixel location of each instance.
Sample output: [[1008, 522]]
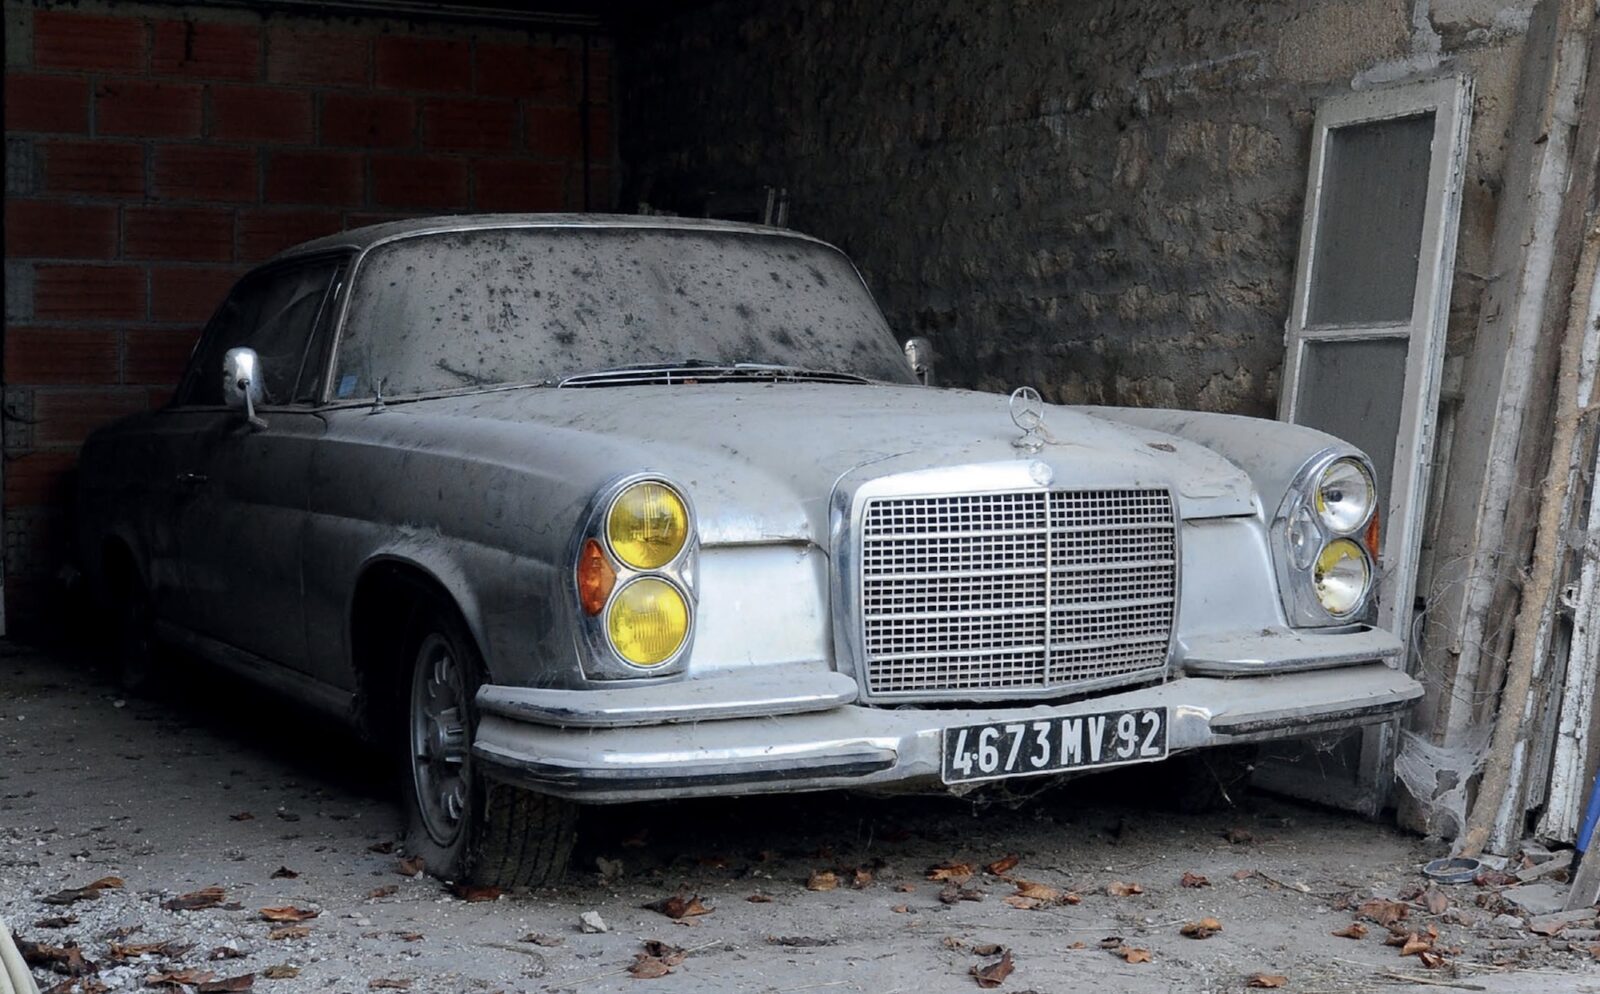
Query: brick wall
[[153, 153]]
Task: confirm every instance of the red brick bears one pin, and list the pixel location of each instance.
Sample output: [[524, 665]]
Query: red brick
[[432, 64], [76, 41], [185, 234], [419, 181], [368, 121], [204, 172], [156, 355], [260, 114], [519, 185], [92, 167], [315, 178], [49, 229], [264, 233], [335, 59], [189, 293], [555, 131], [35, 479], [47, 103], [542, 73], [64, 417], [206, 51], [50, 356], [68, 293], [469, 125], [158, 110]]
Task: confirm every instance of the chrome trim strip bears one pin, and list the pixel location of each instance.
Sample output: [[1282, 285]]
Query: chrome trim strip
[[1258, 652], [737, 694]]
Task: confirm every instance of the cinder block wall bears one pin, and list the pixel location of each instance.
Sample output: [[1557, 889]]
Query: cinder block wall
[[153, 153]]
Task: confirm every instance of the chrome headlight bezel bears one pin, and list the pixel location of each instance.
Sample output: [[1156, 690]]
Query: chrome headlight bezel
[[598, 656], [1299, 527]]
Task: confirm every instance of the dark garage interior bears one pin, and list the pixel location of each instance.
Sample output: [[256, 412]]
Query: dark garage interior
[[1106, 201]]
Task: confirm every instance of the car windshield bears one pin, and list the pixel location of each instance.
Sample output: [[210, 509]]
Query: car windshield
[[496, 306]]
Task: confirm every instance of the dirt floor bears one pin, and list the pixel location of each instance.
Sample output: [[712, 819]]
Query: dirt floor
[[216, 785]]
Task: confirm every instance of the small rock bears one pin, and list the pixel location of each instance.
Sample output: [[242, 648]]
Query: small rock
[[1557, 923], [1509, 921], [590, 921], [1536, 899]]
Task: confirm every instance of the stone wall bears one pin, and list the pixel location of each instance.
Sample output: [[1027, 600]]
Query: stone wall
[[1099, 198]]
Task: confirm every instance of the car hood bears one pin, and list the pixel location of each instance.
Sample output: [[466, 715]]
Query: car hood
[[761, 461]]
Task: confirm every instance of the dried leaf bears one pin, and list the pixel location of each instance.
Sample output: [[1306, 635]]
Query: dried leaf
[[88, 892], [1193, 880], [822, 880], [647, 967], [1039, 892], [284, 873], [1239, 836], [995, 973], [1266, 980], [901, 909], [540, 939], [1025, 903], [1003, 865], [1383, 912], [382, 848], [950, 893], [288, 913], [1132, 955], [474, 894], [282, 971], [1111, 942], [387, 890], [1117, 888], [289, 932], [759, 899], [1355, 930], [242, 816], [409, 936], [180, 978], [389, 983], [1415, 944], [678, 906], [226, 952], [861, 879], [1430, 959], [907, 888], [133, 950], [66, 958], [1494, 878], [987, 949], [56, 921], [206, 897], [1243, 874], [799, 941], [1436, 901], [411, 866], [666, 953], [228, 985], [1205, 928], [958, 873]]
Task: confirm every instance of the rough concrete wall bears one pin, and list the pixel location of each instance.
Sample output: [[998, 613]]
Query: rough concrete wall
[[1102, 199]]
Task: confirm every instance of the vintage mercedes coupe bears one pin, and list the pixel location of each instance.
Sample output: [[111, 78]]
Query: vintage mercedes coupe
[[584, 509]]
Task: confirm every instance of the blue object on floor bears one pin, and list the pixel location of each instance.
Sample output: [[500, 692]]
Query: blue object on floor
[[1591, 814]]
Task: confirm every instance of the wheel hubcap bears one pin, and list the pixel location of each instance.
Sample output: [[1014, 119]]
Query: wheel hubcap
[[439, 754]]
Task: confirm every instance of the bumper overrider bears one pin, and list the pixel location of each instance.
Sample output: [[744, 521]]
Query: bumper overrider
[[793, 728]]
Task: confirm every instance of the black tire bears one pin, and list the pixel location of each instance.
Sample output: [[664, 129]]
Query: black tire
[[136, 655], [502, 836], [1208, 780]]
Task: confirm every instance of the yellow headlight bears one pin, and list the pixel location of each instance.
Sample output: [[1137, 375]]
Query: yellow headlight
[[648, 622], [1341, 576], [647, 525]]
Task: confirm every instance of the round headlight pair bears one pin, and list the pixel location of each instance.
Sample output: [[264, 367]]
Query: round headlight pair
[[1345, 496], [1344, 501], [647, 528]]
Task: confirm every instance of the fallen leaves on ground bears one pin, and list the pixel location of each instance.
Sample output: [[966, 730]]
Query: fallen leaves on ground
[[1205, 928], [1494, 878], [800, 941], [288, 913], [1190, 879], [411, 866], [822, 880], [409, 936], [901, 909], [389, 984], [995, 973], [282, 971], [1383, 912], [133, 950], [861, 878], [759, 899], [1118, 888], [226, 952], [242, 816], [1435, 901], [665, 952], [199, 900], [907, 888], [56, 921], [1131, 954], [541, 939], [987, 949], [678, 906], [382, 848], [1355, 930], [284, 873], [283, 932], [950, 893], [387, 890], [88, 892], [1003, 865], [1239, 836], [473, 894], [951, 872], [1266, 980], [647, 967], [180, 978], [1243, 874], [228, 985], [66, 958]]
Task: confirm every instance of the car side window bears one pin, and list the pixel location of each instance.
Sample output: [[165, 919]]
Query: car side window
[[274, 313]]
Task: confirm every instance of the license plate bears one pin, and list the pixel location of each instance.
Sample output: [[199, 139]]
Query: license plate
[[1051, 745]]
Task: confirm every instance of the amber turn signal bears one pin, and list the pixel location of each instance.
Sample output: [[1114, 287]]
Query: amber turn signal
[[1373, 534], [595, 577]]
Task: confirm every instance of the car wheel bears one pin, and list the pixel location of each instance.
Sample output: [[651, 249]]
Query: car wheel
[[135, 654], [464, 827]]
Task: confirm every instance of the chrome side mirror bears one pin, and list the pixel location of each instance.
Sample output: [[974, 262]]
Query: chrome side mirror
[[919, 353], [241, 383]]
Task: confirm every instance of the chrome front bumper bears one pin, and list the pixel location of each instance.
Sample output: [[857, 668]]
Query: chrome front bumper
[[587, 746]]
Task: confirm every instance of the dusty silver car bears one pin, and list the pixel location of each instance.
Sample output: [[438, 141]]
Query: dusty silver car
[[586, 509]]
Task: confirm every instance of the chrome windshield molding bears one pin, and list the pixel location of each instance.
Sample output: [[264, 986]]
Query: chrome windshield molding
[[1282, 650], [1060, 657], [732, 373], [769, 691], [600, 661], [1300, 603]]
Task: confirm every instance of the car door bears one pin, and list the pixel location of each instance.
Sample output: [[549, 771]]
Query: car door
[[242, 502]]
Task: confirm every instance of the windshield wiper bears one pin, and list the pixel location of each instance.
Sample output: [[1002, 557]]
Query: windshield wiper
[[704, 371]]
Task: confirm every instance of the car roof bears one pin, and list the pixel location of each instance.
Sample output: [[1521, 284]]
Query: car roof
[[360, 239]]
